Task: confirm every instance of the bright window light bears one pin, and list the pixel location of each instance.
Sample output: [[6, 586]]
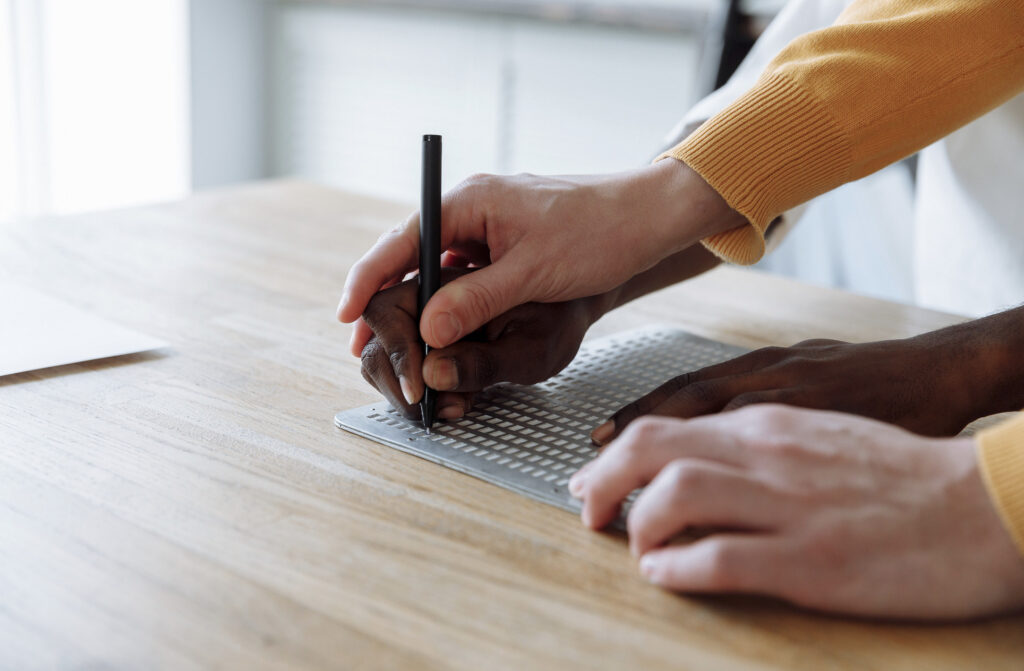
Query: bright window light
[[117, 100], [93, 104], [9, 197]]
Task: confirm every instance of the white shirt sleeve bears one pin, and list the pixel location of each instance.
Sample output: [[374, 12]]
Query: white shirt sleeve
[[796, 18]]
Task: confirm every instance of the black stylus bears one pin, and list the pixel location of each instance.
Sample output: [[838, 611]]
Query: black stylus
[[430, 251]]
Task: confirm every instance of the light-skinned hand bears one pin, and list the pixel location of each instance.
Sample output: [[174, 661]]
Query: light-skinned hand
[[543, 239], [826, 510]]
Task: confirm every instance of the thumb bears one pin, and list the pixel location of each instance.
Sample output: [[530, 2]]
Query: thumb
[[468, 302]]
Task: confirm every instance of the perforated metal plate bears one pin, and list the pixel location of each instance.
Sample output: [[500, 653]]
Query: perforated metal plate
[[531, 439]]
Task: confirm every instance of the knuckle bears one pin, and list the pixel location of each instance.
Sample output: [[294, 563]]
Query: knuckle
[[684, 477], [766, 419], [797, 364], [371, 353], [371, 361], [702, 392], [770, 354], [770, 430], [747, 399], [661, 394], [679, 382], [816, 342], [477, 179], [722, 566], [398, 359], [394, 232], [643, 431]]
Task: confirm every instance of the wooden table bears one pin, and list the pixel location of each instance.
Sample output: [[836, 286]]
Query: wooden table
[[196, 507]]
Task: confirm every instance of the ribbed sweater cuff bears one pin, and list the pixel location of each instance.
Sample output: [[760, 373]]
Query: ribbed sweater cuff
[[1001, 457], [771, 150]]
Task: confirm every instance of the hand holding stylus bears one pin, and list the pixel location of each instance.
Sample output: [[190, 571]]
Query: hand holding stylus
[[545, 239]]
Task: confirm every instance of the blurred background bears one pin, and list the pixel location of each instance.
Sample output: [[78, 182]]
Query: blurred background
[[112, 103]]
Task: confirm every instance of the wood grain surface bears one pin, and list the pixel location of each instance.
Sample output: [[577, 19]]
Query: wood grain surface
[[195, 507]]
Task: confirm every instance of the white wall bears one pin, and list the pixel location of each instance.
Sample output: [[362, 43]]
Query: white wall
[[98, 106], [229, 58], [356, 87]]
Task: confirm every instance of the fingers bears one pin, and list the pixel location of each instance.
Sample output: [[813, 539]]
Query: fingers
[[750, 563], [466, 367], [639, 454], [394, 254], [396, 351], [696, 493], [376, 369], [470, 301], [683, 397], [463, 231], [642, 406], [361, 334], [699, 392], [469, 366]]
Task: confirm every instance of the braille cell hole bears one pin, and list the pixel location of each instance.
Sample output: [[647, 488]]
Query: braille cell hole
[[531, 439]]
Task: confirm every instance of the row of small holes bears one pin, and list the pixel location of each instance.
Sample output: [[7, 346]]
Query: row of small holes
[[543, 431]]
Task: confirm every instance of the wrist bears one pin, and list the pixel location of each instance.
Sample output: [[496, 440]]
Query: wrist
[[689, 208]]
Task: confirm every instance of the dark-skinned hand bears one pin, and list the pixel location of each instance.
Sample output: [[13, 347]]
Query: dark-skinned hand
[[916, 383], [527, 344]]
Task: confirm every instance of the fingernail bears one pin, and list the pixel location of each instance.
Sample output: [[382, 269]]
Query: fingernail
[[602, 433], [407, 390], [585, 516], [576, 484], [451, 411], [446, 328], [647, 566], [443, 374]]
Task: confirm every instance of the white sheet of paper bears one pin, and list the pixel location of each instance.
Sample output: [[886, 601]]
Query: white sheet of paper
[[37, 331]]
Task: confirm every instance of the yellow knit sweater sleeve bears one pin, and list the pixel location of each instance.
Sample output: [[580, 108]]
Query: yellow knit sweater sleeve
[[887, 79], [1001, 458]]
